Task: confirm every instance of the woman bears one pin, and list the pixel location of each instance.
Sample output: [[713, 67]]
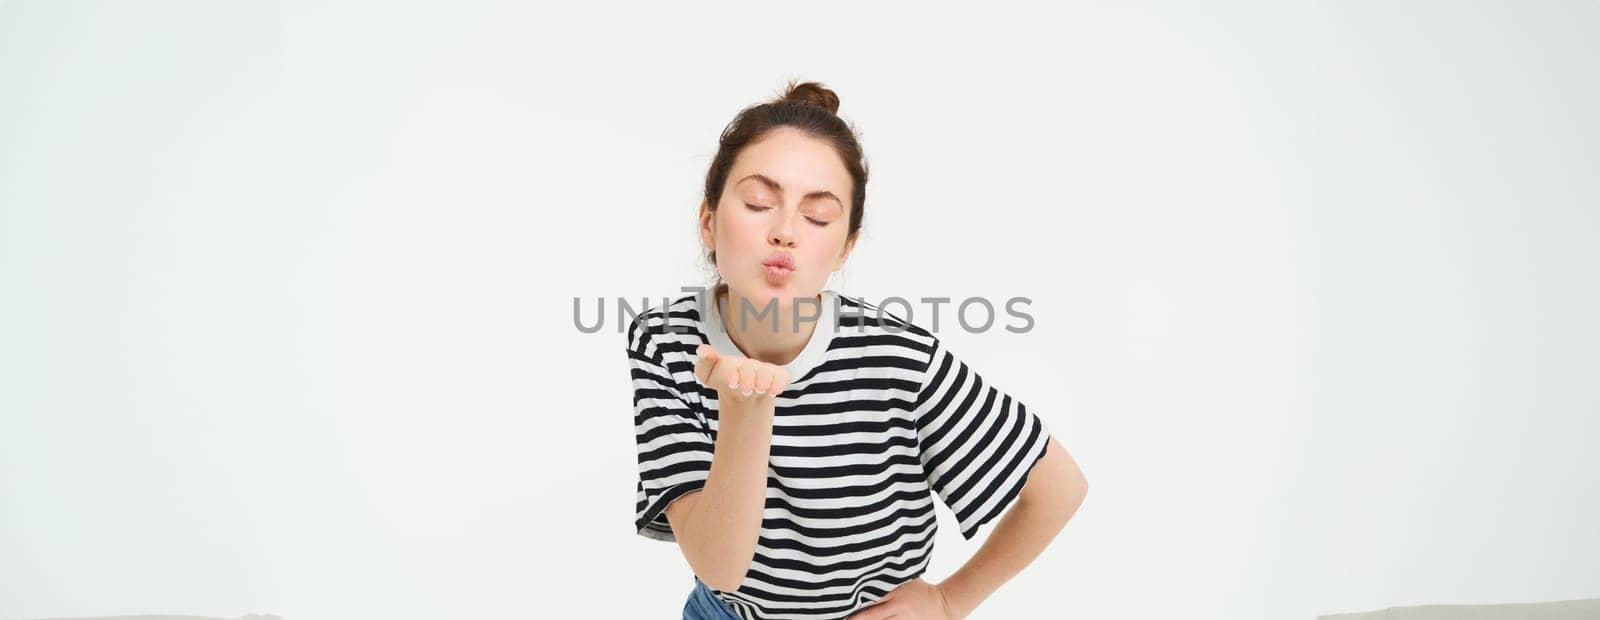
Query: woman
[[791, 438]]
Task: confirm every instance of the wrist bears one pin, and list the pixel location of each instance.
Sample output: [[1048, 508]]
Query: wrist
[[745, 418], [954, 604]]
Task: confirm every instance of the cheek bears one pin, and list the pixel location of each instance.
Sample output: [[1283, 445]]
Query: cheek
[[745, 230], [821, 253]]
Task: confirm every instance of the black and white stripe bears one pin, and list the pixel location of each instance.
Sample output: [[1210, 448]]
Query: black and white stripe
[[860, 446]]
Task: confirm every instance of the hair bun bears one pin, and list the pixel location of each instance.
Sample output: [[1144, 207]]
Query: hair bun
[[812, 93]]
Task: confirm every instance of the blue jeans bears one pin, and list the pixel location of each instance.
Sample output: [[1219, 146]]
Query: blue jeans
[[703, 604]]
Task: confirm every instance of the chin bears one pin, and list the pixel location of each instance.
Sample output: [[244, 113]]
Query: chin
[[761, 292]]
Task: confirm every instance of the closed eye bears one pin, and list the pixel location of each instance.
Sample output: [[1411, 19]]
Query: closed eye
[[759, 209]]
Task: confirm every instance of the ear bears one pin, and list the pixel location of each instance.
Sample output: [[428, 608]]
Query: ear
[[849, 245], [707, 228]]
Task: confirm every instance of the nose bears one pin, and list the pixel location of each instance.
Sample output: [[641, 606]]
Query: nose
[[782, 234]]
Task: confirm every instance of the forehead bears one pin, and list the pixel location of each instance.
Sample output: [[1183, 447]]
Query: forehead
[[800, 163]]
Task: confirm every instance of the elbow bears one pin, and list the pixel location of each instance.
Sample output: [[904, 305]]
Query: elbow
[[1059, 485], [1079, 492], [727, 580], [725, 574], [1063, 503], [1077, 485], [715, 561], [722, 586], [1077, 488]]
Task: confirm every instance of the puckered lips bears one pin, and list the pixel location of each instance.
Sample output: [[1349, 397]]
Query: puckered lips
[[780, 259], [779, 265]]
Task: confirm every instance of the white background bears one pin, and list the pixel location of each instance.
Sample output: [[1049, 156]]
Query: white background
[[287, 289]]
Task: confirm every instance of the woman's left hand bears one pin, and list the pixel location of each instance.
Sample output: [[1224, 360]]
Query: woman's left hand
[[913, 600]]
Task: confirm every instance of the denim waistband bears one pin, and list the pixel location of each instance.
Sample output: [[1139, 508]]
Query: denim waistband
[[703, 604]]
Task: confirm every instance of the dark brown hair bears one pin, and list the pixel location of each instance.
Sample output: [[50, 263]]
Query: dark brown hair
[[809, 107]]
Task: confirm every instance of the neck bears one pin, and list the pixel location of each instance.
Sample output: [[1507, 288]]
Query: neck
[[774, 337]]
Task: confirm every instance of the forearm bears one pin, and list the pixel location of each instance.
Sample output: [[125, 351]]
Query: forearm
[[1019, 537], [724, 523], [1054, 490]]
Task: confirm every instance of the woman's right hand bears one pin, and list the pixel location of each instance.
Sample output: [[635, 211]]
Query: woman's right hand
[[738, 377]]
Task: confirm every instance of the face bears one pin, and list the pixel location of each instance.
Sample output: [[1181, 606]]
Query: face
[[786, 193]]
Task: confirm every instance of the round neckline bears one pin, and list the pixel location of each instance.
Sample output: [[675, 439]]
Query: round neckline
[[810, 357]]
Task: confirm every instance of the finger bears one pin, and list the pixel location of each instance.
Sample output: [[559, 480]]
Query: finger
[[780, 381], [747, 378], [878, 611], [728, 374], [764, 379]]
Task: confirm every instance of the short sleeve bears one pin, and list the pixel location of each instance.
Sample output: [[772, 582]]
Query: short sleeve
[[674, 443], [977, 443]]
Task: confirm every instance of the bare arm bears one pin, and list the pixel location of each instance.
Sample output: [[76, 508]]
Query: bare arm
[[1055, 489], [718, 526]]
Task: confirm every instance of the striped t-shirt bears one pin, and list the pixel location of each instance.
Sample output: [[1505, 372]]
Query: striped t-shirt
[[878, 416]]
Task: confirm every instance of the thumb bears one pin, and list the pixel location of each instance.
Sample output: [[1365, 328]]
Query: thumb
[[706, 360]]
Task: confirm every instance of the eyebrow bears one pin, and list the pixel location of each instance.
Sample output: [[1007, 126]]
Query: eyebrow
[[779, 188]]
